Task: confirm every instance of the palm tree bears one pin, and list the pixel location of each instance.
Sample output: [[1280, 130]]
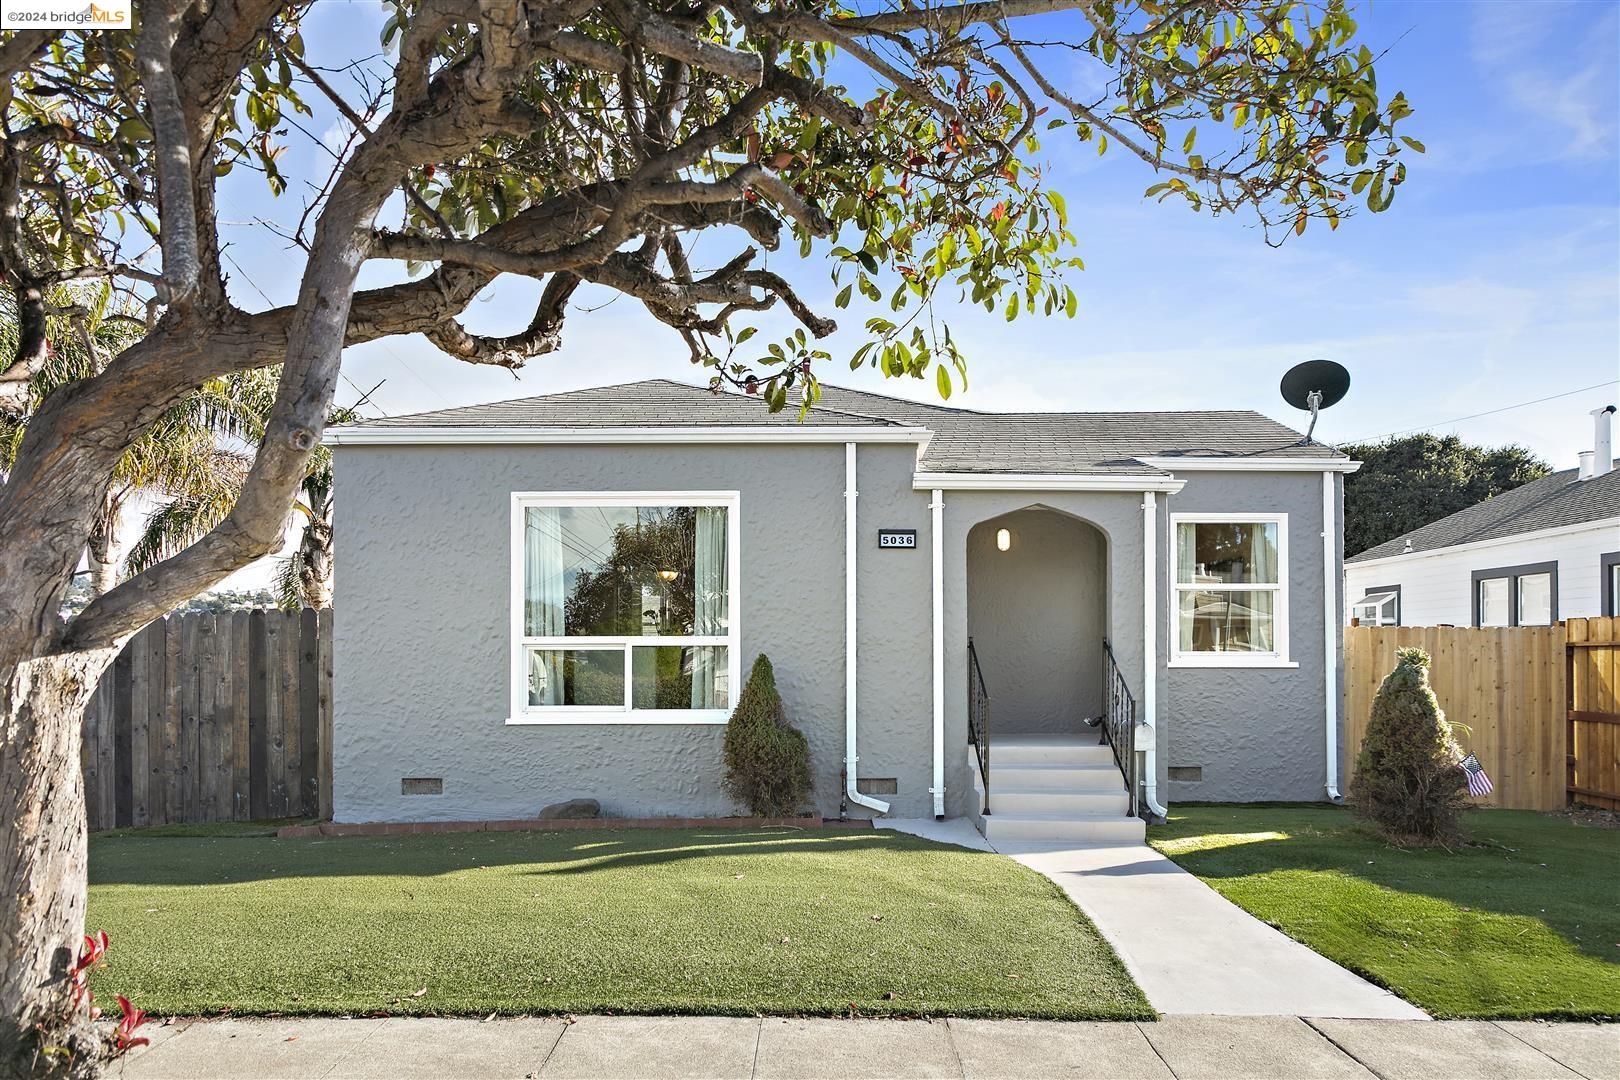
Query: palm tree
[[186, 456], [304, 578]]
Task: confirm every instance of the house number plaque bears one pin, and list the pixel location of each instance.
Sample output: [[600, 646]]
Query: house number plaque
[[897, 538]]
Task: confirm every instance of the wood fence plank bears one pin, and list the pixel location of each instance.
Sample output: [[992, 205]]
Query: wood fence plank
[[241, 676], [324, 675], [173, 706], [309, 713], [190, 706], [123, 780], [140, 683], [258, 739], [291, 721], [275, 702]]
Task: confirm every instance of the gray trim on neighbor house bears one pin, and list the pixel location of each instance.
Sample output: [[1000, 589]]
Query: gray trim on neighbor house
[[1611, 598], [1513, 574]]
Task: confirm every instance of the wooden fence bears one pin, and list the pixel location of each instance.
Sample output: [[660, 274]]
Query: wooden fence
[[1594, 711], [1540, 703], [1506, 684], [213, 717]]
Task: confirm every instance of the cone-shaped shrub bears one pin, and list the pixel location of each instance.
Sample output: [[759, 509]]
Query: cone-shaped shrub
[[767, 762], [1407, 781]]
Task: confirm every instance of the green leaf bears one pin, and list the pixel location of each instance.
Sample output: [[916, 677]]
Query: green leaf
[[942, 379], [1413, 143]]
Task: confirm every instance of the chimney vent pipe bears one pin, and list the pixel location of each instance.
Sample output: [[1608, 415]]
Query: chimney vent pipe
[[1602, 444]]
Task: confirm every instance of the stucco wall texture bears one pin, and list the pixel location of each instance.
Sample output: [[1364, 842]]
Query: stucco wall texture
[[421, 644]]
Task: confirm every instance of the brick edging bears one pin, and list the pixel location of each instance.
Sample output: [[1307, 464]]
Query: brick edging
[[401, 828]]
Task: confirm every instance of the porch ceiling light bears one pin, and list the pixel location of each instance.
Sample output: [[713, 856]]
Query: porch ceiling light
[[1003, 539]]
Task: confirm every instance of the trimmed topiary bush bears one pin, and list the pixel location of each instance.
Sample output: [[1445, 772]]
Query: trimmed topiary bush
[[767, 761], [1406, 777]]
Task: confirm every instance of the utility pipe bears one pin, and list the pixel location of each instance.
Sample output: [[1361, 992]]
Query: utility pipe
[[1150, 657], [937, 523], [850, 756], [1331, 632]]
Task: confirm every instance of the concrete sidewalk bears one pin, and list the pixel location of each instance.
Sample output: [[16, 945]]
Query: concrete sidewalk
[[1176, 1048], [1191, 950]]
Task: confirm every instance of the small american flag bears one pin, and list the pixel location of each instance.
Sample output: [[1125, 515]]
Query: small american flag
[[1479, 785]]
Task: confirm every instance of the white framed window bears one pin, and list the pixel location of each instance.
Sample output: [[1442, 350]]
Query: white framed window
[[1380, 607], [1229, 590], [624, 607], [1524, 595]]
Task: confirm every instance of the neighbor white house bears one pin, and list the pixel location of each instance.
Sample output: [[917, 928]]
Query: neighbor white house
[[1546, 551]]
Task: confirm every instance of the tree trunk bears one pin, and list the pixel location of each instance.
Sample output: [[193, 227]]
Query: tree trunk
[[102, 550], [315, 564], [42, 852]]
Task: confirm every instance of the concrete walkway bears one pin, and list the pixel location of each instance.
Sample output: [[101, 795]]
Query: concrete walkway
[[1192, 951], [1176, 1048]]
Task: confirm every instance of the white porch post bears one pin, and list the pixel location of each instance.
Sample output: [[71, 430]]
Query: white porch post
[[937, 523], [1150, 655]]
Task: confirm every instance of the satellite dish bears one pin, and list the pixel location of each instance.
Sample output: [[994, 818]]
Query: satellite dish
[[1313, 386]]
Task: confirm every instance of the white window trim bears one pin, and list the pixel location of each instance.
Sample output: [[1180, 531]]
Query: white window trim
[[1278, 659], [521, 713]]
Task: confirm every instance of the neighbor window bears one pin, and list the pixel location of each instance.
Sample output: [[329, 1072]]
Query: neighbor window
[[1516, 595], [1230, 596], [1380, 607], [1609, 564], [625, 607]]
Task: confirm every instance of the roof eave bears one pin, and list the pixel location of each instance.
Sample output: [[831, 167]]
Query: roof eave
[[1213, 463], [990, 481], [491, 435]]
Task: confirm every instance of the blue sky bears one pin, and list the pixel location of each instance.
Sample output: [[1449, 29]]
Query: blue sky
[[1494, 279]]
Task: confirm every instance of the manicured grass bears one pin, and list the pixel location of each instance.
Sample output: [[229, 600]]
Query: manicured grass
[[1522, 922], [655, 921]]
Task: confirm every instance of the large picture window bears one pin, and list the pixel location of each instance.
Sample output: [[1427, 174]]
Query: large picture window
[[624, 607], [1229, 594]]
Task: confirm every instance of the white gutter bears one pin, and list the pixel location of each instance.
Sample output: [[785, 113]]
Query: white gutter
[[937, 508], [850, 756], [373, 434], [1150, 658], [1210, 463], [1331, 630], [947, 481]]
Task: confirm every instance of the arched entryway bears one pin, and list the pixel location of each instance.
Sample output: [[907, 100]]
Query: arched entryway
[[1037, 585]]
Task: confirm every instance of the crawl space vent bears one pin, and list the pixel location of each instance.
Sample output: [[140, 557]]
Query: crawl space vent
[[877, 785], [421, 785], [1191, 774]]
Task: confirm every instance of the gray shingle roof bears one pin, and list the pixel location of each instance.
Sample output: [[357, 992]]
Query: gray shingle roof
[[1555, 500], [963, 440]]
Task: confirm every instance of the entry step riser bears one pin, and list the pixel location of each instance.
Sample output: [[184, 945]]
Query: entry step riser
[[1060, 802], [1088, 778], [1015, 828], [1021, 753]]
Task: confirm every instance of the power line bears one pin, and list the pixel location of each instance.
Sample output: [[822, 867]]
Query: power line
[[1476, 416]]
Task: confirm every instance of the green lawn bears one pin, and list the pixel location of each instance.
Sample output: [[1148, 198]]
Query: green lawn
[[655, 921], [1522, 922]]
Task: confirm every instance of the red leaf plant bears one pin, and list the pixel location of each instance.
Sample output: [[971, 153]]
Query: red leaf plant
[[124, 1037]]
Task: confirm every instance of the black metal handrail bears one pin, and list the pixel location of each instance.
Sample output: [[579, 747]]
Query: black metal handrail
[[1119, 724], [979, 720]]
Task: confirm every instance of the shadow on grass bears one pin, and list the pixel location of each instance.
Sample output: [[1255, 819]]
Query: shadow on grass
[[1516, 863], [223, 860]]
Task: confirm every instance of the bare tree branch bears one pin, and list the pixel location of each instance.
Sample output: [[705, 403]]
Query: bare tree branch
[[154, 45]]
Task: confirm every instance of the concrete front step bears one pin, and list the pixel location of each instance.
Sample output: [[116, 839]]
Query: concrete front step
[[1076, 778], [1083, 750], [1001, 827], [1083, 803]]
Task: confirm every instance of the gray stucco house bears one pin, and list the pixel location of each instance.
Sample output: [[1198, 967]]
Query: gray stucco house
[[558, 596]]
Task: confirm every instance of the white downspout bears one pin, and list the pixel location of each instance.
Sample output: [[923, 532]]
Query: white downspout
[[850, 756], [1150, 658], [1330, 636], [937, 523]]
